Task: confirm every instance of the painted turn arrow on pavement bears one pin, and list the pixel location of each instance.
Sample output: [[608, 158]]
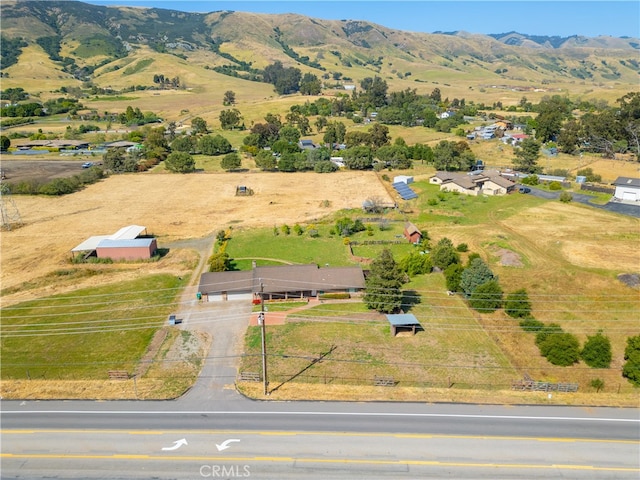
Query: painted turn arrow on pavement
[[176, 445], [224, 445]]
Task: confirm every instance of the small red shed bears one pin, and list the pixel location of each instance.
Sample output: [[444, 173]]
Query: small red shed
[[412, 233]]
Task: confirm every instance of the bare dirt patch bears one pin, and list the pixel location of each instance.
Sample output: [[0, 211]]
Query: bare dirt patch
[[509, 258], [42, 171]]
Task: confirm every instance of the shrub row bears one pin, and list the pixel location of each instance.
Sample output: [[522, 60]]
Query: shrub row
[[58, 186]]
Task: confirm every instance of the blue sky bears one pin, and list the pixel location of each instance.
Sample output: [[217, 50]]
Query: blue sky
[[563, 18]]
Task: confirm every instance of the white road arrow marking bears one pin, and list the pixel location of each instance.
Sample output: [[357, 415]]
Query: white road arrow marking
[[176, 445], [224, 445]]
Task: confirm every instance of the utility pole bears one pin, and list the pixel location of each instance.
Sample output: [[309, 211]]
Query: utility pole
[[262, 322]]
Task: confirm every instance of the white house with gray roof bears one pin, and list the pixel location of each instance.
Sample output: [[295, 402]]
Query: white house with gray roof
[[627, 189]]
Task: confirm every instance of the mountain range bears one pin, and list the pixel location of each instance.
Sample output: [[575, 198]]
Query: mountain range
[[88, 42]]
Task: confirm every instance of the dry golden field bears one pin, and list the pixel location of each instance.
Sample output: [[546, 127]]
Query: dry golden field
[[173, 207]]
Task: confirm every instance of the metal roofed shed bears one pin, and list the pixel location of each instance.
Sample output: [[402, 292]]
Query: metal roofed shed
[[404, 322], [127, 249], [125, 233], [403, 178], [125, 244]]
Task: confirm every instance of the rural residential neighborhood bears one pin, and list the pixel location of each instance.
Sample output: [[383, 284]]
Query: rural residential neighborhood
[[211, 219], [293, 199]]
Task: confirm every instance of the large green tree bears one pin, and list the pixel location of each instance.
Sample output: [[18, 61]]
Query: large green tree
[[358, 158], [379, 135], [453, 156], [552, 111], [5, 143], [334, 133], [560, 348], [596, 351], [416, 263], [526, 156], [198, 126], [383, 285], [517, 304], [184, 143], [486, 297], [214, 145], [444, 254], [230, 119], [310, 84], [180, 162], [229, 98], [452, 275], [117, 160], [265, 160], [374, 92], [476, 274], [285, 79], [394, 156], [231, 161], [631, 367]]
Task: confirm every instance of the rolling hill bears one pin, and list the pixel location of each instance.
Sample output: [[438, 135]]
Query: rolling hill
[[48, 44]]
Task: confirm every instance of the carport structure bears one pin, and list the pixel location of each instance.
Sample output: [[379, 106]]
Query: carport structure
[[404, 322]]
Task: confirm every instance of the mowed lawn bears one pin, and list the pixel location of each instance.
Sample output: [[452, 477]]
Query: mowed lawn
[[84, 334]]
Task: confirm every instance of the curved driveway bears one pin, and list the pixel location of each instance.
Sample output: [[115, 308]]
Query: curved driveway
[[624, 208]]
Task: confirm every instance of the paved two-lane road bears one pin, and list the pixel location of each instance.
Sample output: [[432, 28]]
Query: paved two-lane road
[[297, 440]]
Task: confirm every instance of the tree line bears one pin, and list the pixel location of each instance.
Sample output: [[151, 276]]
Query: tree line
[[481, 289]]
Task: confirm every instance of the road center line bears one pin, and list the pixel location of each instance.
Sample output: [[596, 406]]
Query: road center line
[[316, 460], [301, 413]]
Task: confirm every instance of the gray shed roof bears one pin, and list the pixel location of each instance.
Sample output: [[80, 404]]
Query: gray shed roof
[[627, 182], [124, 243], [403, 319]]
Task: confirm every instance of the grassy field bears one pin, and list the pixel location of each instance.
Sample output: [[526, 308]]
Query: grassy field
[[467, 348], [85, 334], [262, 243], [355, 345]]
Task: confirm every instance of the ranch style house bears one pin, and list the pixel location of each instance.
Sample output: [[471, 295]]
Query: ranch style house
[[280, 282]]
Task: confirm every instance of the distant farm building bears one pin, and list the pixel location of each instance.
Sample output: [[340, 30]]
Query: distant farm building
[[125, 244]]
